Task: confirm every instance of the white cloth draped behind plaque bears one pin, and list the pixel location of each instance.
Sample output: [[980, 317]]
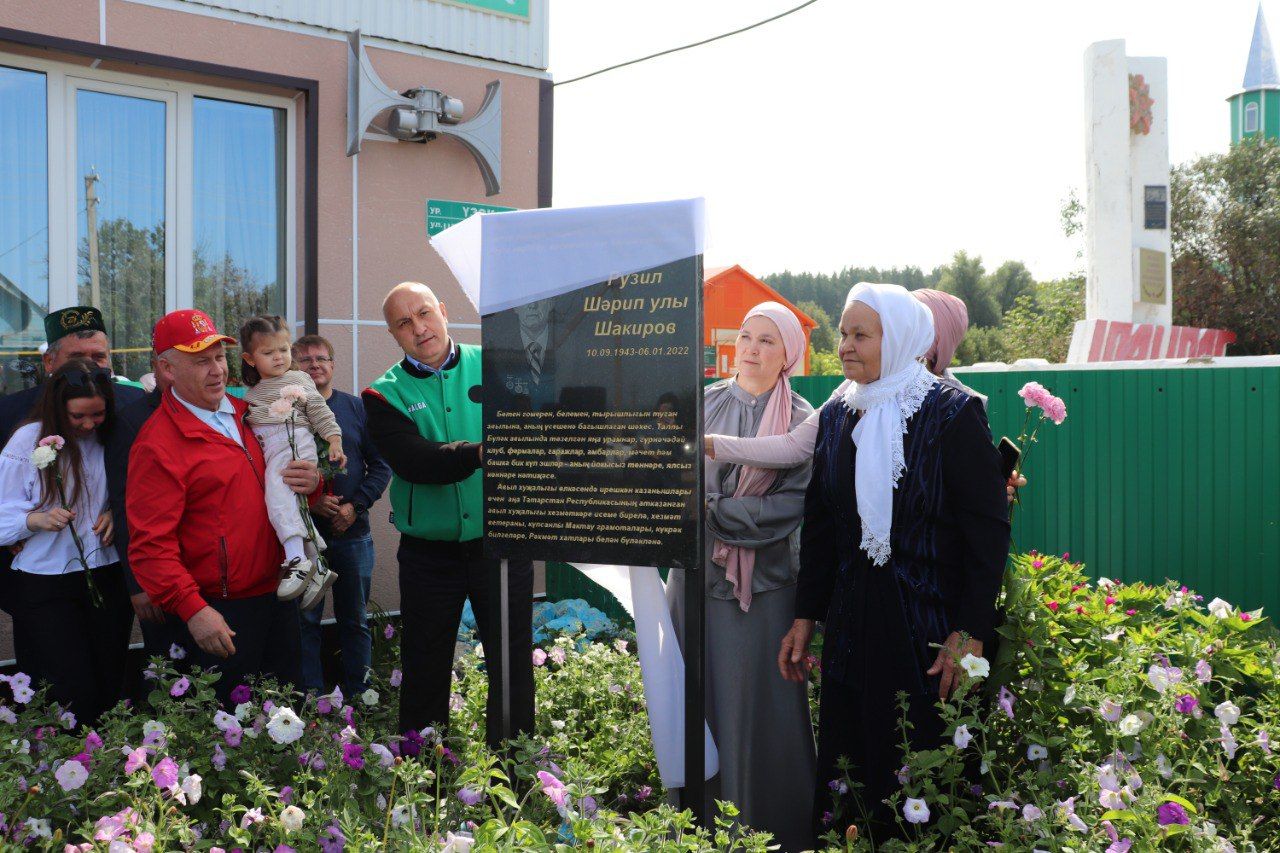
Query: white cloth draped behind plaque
[[639, 589], [502, 260]]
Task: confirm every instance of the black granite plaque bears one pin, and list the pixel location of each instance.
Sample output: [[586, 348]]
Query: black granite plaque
[[591, 403], [1155, 207]]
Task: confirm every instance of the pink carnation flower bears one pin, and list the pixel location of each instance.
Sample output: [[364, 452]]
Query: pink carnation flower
[[1034, 394]]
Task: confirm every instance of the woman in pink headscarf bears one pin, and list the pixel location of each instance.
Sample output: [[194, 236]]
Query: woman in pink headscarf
[[950, 321], [760, 722]]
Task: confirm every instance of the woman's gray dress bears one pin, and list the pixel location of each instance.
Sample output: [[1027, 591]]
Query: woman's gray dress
[[759, 720]]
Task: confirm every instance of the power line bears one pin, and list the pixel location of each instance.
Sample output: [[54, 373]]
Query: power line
[[687, 46]]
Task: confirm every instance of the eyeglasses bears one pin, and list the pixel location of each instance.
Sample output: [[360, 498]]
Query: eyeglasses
[[309, 360], [83, 378]]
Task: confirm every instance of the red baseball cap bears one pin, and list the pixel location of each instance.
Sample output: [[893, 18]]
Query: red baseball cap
[[189, 330]]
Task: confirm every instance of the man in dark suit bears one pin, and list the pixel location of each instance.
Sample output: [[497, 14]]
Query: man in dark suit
[[77, 332], [526, 364], [160, 630]]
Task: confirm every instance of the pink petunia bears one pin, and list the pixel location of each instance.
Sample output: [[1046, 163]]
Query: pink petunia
[[165, 773], [136, 760], [553, 788], [180, 687]]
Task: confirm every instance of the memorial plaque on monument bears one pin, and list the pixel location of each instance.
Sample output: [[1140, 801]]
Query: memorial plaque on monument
[[1155, 207], [590, 412], [1151, 276]]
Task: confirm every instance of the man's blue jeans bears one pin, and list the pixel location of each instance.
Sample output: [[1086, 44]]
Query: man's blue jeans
[[352, 559]]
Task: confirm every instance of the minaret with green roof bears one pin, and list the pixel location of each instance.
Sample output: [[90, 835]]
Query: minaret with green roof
[[1255, 109]]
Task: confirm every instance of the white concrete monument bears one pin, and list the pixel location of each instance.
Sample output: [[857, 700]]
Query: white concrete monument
[[1128, 290]]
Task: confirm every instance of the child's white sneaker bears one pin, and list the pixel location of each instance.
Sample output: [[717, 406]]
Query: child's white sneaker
[[317, 586], [294, 575]]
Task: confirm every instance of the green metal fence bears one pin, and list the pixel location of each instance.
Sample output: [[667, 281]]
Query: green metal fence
[[1156, 473]]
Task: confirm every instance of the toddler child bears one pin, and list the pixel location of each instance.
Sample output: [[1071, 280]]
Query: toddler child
[[284, 410]]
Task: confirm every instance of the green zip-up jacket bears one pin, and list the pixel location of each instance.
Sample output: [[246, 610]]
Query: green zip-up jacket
[[428, 426]]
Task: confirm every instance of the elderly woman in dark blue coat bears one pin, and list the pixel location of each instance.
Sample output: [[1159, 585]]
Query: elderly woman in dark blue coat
[[903, 547]]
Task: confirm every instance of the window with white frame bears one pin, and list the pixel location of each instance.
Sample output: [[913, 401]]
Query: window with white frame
[[138, 195], [1250, 118]]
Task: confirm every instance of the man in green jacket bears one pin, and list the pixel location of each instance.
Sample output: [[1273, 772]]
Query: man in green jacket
[[425, 417]]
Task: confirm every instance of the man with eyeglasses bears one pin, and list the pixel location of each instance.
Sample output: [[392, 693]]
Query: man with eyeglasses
[[342, 517], [76, 332]]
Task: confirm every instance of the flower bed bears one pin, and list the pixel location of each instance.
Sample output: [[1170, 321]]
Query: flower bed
[[1126, 717], [1116, 717]]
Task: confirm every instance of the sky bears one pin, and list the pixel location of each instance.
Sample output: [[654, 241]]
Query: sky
[[871, 134]]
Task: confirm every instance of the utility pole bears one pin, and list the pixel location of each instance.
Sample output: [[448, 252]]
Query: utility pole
[[91, 208]]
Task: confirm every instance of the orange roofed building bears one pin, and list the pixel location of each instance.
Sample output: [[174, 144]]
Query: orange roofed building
[[728, 293]]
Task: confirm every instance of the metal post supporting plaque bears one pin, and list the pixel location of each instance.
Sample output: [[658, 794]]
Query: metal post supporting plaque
[[694, 617], [504, 643]]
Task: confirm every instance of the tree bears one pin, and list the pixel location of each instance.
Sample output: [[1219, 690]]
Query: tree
[[1042, 321], [823, 338], [824, 363], [1226, 244], [1009, 282], [964, 278]]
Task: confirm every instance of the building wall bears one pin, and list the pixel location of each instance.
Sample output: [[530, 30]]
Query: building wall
[[371, 208]]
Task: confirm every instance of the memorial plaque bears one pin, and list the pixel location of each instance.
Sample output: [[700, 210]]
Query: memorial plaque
[[1152, 280], [591, 402], [1155, 207]]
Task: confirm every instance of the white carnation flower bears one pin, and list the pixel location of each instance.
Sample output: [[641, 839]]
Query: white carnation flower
[[44, 456]]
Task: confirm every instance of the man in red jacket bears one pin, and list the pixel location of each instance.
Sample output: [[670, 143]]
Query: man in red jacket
[[201, 545]]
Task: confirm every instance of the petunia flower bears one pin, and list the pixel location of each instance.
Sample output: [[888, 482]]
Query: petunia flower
[[1228, 712], [71, 775], [962, 737], [165, 773], [915, 810], [284, 726], [180, 687], [469, 796], [291, 818], [1005, 700], [1171, 813]]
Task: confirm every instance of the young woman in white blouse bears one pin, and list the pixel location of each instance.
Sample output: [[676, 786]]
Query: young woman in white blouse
[[78, 624]]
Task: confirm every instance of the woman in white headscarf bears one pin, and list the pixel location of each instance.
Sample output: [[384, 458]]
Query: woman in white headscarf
[[760, 721], [904, 542]]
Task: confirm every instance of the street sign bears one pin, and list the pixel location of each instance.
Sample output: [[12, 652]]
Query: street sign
[[441, 213]]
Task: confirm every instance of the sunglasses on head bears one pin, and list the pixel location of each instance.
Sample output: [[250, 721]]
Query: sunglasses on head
[[84, 378]]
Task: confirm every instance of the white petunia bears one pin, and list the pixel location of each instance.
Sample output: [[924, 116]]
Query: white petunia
[[1131, 725], [1111, 710], [962, 737], [369, 697], [284, 726], [224, 722], [291, 818], [976, 667], [1163, 767], [1036, 752], [1160, 677], [401, 815], [1030, 813], [243, 710], [385, 758], [38, 828], [916, 810], [7, 715], [1221, 609], [1112, 800], [71, 775], [192, 789], [42, 457], [1228, 712]]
